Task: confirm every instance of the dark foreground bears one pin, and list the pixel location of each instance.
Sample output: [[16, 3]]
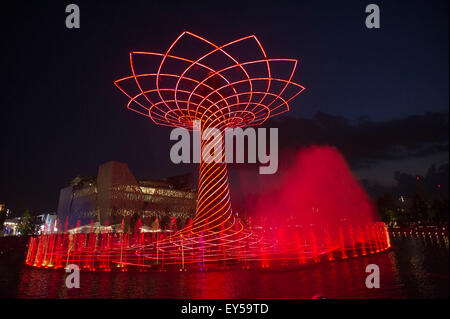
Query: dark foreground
[[416, 267]]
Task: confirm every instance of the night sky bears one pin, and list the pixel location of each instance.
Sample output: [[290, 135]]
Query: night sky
[[380, 96]]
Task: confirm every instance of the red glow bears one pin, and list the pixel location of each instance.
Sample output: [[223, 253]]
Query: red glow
[[319, 189], [231, 92]]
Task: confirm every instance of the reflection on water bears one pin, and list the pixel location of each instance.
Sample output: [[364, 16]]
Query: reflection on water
[[414, 268]]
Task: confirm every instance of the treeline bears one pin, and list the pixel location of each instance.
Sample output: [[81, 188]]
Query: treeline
[[417, 209], [416, 198]]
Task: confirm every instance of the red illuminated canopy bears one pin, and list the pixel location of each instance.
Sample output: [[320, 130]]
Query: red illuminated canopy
[[243, 90]]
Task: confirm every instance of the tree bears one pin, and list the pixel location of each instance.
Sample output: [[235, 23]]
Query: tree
[[422, 209], [441, 208], [164, 221], [2, 217], [180, 222], [27, 224], [387, 207], [133, 221], [155, 224]]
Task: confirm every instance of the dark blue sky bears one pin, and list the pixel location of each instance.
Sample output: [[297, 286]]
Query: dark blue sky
[[62, 116]]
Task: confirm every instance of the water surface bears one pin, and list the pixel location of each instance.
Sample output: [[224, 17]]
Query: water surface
[[414, 268]]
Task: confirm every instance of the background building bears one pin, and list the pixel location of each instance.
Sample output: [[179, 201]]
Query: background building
[[115, 194]]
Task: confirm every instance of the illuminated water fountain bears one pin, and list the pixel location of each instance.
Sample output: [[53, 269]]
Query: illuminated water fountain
[[220, 88]]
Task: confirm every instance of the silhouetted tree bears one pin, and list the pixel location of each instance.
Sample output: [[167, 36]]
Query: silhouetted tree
[[155, 224], [27, 225], [180, 222], [441, 208], [2, 217], [164, 221], [421, 209], [133, 221], [387, 207]]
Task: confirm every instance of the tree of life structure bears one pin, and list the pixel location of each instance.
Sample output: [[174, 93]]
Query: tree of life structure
[[228, 86], [216, 88]]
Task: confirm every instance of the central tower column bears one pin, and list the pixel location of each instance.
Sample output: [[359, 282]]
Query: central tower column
[[213, 201]]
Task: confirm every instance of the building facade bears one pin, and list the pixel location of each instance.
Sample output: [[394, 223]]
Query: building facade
[[115, 194]]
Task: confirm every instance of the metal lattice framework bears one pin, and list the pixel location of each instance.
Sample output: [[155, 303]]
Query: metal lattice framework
[[222, 91], [227, 86], [239, 93], [229, 92]]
